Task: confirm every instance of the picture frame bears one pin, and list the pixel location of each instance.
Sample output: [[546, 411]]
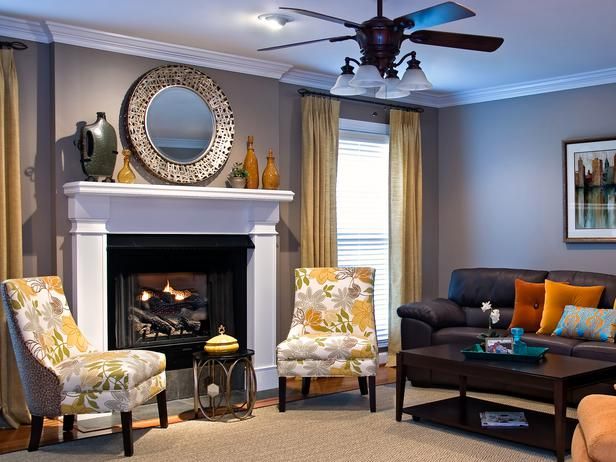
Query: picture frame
[[499, 345], [589, 171]]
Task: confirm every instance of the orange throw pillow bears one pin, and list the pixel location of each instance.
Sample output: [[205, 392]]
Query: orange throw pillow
[[558, 295], [528, 307]]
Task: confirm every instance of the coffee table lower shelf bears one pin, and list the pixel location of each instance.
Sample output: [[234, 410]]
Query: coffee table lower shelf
[[463, 413]]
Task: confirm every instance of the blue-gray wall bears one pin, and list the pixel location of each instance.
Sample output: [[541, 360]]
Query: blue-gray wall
[[500, 181]]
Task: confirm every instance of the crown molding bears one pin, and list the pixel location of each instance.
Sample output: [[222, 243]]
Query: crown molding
[[117, 43], [535, 87], [309, 79], [24, 29]]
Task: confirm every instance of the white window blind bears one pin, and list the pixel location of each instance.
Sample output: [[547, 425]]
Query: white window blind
[[363, 212]]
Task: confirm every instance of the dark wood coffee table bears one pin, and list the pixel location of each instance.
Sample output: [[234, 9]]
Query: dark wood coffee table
[[555, 373]]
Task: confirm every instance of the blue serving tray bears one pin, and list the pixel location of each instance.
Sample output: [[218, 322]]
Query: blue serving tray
[[534, 354]]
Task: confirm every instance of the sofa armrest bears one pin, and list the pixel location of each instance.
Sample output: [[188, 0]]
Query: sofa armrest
[[437, 313]]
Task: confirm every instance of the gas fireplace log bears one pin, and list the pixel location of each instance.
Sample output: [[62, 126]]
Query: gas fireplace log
[[188, 325], [157, 324], [138, 326]]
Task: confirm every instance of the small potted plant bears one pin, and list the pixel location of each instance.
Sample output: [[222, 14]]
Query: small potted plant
[[238, 175]]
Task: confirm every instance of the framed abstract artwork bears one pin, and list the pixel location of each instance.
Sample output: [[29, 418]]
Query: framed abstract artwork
[[590, 190]]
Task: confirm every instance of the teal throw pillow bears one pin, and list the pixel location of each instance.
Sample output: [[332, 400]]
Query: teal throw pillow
[[587, 323]]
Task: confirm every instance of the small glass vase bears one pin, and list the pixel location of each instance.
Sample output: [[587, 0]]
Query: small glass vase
[[519, 347], [126, 175]]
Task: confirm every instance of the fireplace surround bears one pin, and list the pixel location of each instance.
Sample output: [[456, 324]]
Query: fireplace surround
[[99, 211]]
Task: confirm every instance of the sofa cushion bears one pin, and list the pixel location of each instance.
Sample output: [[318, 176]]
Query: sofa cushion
[[595, 350], [473, 286], [597, 418], [461, 335], [558, 345], [528, 307], [558, 295], [583, 278]]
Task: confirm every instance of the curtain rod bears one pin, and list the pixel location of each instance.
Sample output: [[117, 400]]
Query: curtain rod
[[306, 92], [13, 45]]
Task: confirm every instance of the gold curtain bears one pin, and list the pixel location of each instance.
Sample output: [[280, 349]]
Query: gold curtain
[[319, 164], [405, 219], [12, 401]]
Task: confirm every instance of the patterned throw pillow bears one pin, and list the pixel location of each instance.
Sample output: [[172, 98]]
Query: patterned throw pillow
[[587, 323]]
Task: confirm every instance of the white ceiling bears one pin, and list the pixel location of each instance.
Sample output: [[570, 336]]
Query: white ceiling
[[544, 39]]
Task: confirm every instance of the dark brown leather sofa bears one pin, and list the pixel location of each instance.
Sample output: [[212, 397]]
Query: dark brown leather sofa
[[459, 319]]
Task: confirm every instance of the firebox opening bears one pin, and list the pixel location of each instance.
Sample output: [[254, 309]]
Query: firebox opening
[[169, 293]]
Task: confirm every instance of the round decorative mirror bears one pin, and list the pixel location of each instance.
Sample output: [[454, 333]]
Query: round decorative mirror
[[180, 124]]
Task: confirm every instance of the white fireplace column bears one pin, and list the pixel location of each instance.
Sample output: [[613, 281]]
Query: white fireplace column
[[98, 209]]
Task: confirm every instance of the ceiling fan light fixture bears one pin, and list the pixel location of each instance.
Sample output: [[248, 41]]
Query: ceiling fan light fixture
[[342, 87], [275, 21], [391, 88], [414, 78], [367, 76]]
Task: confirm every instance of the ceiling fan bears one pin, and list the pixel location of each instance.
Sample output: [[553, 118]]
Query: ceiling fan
[[380, 39]]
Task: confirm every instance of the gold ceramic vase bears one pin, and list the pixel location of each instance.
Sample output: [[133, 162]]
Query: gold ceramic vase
[[271, 177], [126, 175], [251, 164]]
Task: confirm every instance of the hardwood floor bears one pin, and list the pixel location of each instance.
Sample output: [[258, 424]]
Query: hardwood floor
[[15, 440]]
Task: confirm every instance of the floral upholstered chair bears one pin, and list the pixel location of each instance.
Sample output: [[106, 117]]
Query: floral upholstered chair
[[63, 374], [333, 330]]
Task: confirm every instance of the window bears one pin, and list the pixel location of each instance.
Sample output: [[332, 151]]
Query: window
[[363, 208]]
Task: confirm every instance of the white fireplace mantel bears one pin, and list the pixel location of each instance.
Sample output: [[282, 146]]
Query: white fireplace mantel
[[98, 209]]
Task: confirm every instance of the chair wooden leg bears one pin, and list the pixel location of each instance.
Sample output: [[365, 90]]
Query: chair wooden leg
[[363, 385], [305, 386], [127, 433], [68, 423], [282, 394], [36, 431], [372, 387], [161, 400]]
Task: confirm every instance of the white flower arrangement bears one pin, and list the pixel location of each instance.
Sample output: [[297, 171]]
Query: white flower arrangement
[[494, 314]]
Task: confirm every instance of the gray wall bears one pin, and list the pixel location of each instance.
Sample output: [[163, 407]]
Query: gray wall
[[62, 85], [500, 178]]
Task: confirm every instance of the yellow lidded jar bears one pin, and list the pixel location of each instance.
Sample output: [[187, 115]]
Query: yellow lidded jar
[[222, 343]]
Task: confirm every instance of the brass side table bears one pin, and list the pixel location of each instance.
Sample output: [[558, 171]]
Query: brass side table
[[213, 374]]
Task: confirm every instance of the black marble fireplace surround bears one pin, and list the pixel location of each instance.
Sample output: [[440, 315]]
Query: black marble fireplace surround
[[169, 293]]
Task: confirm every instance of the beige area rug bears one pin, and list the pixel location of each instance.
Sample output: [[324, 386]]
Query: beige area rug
[[335, 427]]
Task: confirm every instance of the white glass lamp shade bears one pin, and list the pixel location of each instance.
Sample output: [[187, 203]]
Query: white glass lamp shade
[[342, 87], [391, 89], [367, 76], [414, 80]]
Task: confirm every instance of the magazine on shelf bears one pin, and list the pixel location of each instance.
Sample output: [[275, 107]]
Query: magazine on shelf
[[503, 419]]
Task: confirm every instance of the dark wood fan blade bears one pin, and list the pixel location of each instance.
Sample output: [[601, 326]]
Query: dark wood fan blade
[[435, 15], [324, 17], [330, 39], [453, 40]]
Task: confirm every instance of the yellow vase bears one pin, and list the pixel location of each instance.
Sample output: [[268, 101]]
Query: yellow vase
[[251, 164], [126, 175], [271, 177]]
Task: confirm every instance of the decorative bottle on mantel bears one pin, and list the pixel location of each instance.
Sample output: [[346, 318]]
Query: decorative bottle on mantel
[[251, 165], [271, 177], [126, 175]]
